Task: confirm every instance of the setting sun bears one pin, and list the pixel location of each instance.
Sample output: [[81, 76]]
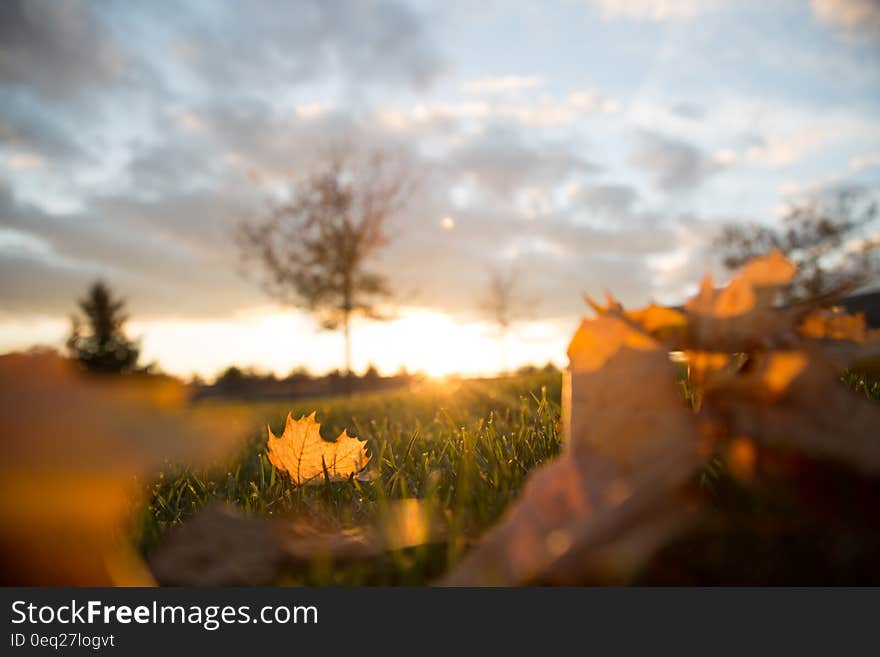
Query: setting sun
[[416, 339]]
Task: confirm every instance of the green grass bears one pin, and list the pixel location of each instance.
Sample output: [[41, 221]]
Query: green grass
[[862, 384], [464, 448]]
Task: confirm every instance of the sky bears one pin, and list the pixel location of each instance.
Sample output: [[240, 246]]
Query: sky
[[585, 145]]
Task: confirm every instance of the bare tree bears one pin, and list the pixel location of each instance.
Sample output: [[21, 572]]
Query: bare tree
[[503, 305], [312, 252], [830, 242]]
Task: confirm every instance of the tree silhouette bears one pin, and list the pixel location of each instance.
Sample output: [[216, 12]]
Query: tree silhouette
[[503, 304], [313, 251], [830, 242], [99, 342]]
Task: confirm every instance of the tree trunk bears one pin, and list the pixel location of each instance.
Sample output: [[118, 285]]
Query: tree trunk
[[346, 331]]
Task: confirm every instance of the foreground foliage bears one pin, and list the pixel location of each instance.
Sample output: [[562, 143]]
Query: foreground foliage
[[766, 402]]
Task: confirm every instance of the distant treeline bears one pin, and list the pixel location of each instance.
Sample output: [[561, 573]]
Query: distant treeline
[[242, 383]]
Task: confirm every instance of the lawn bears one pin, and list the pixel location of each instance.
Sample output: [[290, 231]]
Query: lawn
[[463, 447]]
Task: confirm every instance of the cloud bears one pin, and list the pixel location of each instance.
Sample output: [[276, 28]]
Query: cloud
[[861, 162], [162, 233], [654, 10], [28, 126], [778, 152], [173, 256], [502, 84], [24, 161], [546, 110], [70, 49], [87, 87], [773, 152], [561, 256], [56, 48], [313, 110], [855, 20], [502, 162], [385, 42], [198, 122], [690, 111], [675, 165], [612, 199]]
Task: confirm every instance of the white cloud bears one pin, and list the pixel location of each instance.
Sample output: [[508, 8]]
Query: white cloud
[[856, 20], [548, 110], [654, 10], [776, 152], [191, 121], [313, 110], [502, 84], [861, 162], [24, 161], [14, 241], [725, 157]]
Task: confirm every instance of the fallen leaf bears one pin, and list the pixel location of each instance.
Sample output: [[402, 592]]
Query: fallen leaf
[[769, 272], [659, 321], [795, 400], [743, 315], [619, 482], [73, 449], [220, 546], [306, 458], [836, 325], [767, 377]]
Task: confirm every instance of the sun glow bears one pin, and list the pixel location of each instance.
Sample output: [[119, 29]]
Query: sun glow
[[270, 340], [417, 339], [434, 343]]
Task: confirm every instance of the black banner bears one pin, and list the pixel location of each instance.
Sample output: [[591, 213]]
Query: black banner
[[409, 620]]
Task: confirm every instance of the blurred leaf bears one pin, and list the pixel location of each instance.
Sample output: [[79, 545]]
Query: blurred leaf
[[765, 376], [222, 547], [621, 482], [73, 447]]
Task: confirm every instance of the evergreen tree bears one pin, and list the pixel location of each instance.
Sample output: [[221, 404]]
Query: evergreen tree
[[98, 341]]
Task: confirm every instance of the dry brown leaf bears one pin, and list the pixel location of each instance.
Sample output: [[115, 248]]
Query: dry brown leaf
[[706, 367], [845, 339], [73, 448], [659, 321], [621, 488], [222, 547], [741, 316], [612, 306], [625, 468], [303, 455], [219, 547], [795, 400], [835, 324], [769, 272], [608, 359]]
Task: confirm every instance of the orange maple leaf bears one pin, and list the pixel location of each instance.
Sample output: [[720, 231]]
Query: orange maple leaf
[[301, 453]]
